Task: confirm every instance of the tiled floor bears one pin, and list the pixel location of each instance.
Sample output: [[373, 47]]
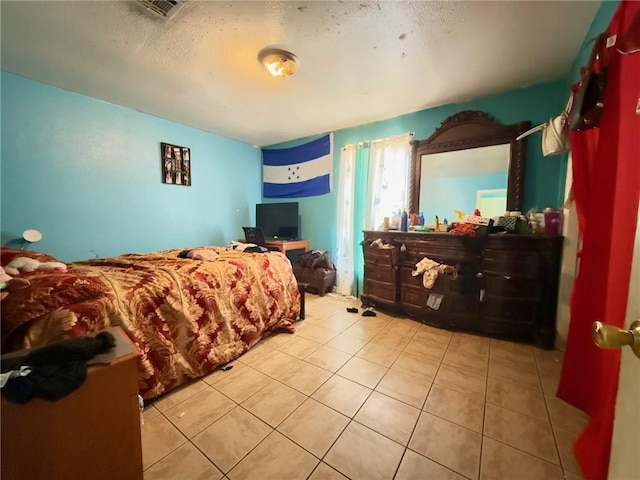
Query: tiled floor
[[368, 398]]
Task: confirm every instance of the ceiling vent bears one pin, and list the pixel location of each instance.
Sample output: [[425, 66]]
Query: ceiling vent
[[161, 8]]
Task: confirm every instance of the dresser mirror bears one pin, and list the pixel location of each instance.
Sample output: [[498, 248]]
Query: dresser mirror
[[470, 160]]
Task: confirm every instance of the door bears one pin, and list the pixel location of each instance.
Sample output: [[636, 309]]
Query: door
[[625, 444]]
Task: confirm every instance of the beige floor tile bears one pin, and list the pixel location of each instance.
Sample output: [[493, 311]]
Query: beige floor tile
[[314, 427], [451, 445], [150, 412], [305, 377], [256, 352], [229, 439], [467, 411], [522, 349], [339, 321], [565, 440], [513, 354], [352, 454], [274, 363], [362, 331], [159, 438], [523, 374], [319, 334], [325, 472], [429, 348], [461, 358], [378, 323], [299, 347], [566, 416], [403, 326], [392, 340], [515, 397], [548, 360], [278, 339], [185, 463], [328, 358], [219, 375], [342, 395], [406, 388], [276, 458], [389, 417], [415, 467], [550, 384], [432, 334], [500, 461], [521, 431], [572, 476], [417, 366], [378, 354], [363, 372], [241, 385], [462, 381], [176, 396], [471, 343], [199, 411], [347, 343], [274, 403]]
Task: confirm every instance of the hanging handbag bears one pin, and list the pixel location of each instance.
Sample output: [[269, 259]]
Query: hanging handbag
[[588, 101], [555, 132]]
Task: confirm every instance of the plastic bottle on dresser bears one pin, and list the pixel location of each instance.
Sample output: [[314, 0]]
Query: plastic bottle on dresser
[[421, 219], [404, 221]]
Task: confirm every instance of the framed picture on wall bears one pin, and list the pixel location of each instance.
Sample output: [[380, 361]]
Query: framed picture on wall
[[176, 164]]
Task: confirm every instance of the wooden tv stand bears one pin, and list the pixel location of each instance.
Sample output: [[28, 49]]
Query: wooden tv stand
[[285, 245]]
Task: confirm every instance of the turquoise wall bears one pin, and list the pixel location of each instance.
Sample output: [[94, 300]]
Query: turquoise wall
[[87, 174]]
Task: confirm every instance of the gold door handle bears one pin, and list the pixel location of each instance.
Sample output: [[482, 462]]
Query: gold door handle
[[608, 336]]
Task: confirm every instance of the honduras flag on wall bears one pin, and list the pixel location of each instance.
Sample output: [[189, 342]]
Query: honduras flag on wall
[[302, 171]]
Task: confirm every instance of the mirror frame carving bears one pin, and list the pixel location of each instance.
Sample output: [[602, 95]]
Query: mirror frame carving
[[471, 129]]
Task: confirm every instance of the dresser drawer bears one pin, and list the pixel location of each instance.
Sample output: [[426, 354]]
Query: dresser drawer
[[449, 256], [413, 297], [380, 274], [509, 310], [381, 291], [384, 257], [511, 263], [441, 284], [464, 304], [510, 286]]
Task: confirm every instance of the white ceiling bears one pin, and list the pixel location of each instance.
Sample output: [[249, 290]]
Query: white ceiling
[[360, 61]]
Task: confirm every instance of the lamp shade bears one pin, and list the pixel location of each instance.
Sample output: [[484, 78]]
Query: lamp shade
[[32, 236]]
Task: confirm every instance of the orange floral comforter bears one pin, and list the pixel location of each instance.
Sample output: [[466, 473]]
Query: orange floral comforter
[[186, 316]]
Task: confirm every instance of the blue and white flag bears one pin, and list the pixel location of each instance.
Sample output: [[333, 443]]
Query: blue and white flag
[[302, 171]]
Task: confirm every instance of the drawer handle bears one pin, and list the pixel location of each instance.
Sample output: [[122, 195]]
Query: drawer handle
[[507, 277]]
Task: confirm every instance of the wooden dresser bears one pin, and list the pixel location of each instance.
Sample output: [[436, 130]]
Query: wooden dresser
[[92, 433], [506, 285]]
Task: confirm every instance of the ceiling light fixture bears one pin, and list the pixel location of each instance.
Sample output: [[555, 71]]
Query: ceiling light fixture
[[279, 63]]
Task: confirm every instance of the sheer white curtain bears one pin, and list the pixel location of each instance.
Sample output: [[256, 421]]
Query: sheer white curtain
[[345, 274], [388, 184], [373, 183]]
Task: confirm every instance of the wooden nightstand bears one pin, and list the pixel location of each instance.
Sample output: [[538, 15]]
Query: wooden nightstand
[[92, 433]]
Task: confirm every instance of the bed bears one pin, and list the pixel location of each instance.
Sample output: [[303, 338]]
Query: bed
[[186, 316]]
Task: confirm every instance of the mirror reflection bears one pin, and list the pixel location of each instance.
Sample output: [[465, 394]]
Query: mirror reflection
[[464, 180]]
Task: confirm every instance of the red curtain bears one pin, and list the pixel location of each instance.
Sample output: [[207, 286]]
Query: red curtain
[[606, 175]]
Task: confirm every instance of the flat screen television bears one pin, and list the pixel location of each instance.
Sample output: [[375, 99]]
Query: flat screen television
[[278, 220]]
